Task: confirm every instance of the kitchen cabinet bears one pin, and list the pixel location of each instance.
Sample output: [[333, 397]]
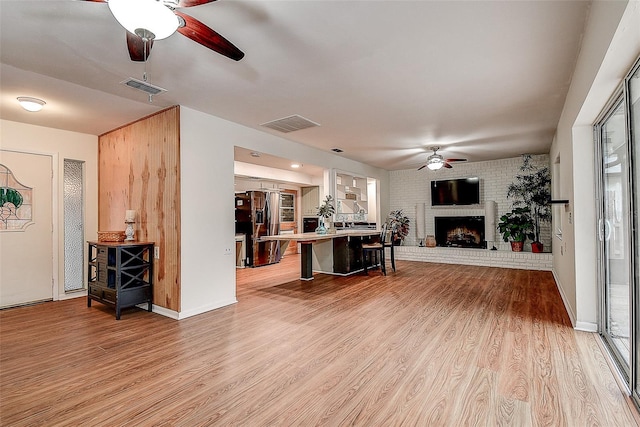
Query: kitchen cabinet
[[288, 224], [347, 254], [310, 201], [288, 206], [120, 274]]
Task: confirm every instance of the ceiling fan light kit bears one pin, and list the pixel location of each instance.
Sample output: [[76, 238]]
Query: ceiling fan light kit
[[149, 19], [434, 163]]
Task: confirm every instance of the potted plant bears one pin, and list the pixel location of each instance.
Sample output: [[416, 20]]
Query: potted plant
[[516, 226], [398, 223], [532, 189], [325, 211]]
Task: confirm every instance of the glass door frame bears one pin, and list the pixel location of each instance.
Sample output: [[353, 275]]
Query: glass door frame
[[618, 100], [631, 376], [634, 147]]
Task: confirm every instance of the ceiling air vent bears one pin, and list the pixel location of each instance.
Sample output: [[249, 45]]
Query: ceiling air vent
[[143, 86], [290, 124]]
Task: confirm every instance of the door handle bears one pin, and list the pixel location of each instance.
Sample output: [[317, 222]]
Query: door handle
[[607, 229], [600, 230], [604, 230]]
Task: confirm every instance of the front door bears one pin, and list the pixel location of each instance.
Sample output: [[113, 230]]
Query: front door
[[26, 242]]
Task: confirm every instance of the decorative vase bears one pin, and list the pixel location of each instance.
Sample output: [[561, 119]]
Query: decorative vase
[[321, 228], [431, 241], [537, 247], [517, 246], [129, 232]]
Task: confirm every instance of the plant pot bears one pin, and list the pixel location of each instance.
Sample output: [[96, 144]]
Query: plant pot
[[431, 241], [537, 247], [517, 246]]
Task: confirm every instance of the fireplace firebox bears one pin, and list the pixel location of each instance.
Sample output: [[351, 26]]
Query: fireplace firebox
[[460, 231]]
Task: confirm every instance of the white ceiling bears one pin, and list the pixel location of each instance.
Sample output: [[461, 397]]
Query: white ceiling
[[384, 79]]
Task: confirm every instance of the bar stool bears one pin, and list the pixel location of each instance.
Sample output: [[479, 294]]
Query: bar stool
[[370, 250], [388, 243]]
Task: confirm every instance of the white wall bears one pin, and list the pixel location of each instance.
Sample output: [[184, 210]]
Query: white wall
[[411, 187], [60, 145], [269, 177], [207, 201], [610, 45]]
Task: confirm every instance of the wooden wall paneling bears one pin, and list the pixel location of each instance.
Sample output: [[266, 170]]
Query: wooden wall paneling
[[139, 169]]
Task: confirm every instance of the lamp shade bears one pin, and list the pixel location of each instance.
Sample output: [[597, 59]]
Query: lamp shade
[[150, 15], [31, 104], [435, 163]]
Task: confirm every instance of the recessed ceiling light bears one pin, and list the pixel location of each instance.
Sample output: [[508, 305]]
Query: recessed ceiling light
[[296, 165], [31, 104], [255, 154], [337, 150]]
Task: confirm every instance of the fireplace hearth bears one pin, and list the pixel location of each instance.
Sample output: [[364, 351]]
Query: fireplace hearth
[[460, 231]]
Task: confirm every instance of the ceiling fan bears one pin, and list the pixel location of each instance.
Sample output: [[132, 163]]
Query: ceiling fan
[[149, 20], [436, 161]]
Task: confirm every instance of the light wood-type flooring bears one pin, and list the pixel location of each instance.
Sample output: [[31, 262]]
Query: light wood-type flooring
[[428, 345]]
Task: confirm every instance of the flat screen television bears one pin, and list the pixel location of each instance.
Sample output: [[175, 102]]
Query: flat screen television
[[450, 192]]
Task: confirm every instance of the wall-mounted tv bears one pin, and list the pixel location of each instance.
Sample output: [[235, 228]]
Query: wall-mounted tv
[[450, 192]]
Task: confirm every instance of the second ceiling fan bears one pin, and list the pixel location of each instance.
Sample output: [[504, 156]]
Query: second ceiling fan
[[149, 20], [436, 161]]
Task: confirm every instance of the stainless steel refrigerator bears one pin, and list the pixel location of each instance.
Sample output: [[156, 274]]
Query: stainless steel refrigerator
[[257, 216]]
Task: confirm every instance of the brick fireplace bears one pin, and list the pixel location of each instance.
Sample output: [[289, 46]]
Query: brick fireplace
[[460, 231]]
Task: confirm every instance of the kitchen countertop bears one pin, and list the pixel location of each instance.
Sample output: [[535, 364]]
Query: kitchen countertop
[[309, 237], [317, 249]]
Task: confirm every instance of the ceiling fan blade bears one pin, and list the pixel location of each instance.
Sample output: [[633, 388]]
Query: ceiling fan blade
[[455, 160], [422, 167], [200, 33], [447, 165], [189, 3], [136, 47]]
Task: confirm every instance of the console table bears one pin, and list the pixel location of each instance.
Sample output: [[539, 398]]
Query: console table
[[120, 274]]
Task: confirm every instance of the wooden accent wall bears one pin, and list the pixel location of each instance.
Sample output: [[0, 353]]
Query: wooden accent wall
[[139, 169]]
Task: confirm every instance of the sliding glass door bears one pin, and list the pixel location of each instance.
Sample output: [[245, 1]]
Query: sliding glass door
[[618, 143], [633, 101], [615, 234]]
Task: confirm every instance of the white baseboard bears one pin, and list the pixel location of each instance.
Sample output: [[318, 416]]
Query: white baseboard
[[586, 327], [567, 306], [577, 325], [184, 314], [205, 308], [71, 295], [163, 311]]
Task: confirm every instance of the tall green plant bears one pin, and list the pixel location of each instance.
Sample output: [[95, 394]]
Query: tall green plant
[[532, 189], [398, 222], [516, 226]]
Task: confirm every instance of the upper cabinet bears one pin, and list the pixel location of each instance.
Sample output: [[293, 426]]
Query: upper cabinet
[[351, 197], [288, 206], [310, 201]]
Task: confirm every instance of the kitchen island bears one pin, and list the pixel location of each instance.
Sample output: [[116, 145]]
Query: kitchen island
[[339, 253]]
